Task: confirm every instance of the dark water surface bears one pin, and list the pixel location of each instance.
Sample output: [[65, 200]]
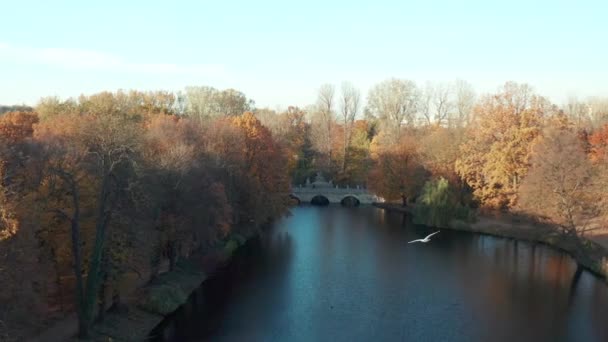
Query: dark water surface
[[348, 274]]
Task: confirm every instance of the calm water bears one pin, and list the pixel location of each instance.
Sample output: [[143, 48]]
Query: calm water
[[348, 274]]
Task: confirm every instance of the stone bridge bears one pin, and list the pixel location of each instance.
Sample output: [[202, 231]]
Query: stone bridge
[[323, 192]]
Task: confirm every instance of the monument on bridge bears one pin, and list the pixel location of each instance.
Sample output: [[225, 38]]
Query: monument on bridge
[[319, 183]]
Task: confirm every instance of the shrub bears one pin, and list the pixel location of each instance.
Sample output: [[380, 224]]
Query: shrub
[[437, 205]]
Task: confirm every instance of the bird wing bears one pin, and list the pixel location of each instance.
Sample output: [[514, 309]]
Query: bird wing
[[432, 234], [419, 240]]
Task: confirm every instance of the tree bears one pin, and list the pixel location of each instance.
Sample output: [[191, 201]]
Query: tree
[[91, 158], [465, 101], [599, 145], [349, 106], [578, 112], [561, 184], [598, 111], [359, 154], [439, 149], [207, 102], [322, 123], [425, 104], [233, 102], [397, 172], [200, 102], [442, 101], [394, 103], [16, 126], [438, 205], [495, 156], [265, 172]]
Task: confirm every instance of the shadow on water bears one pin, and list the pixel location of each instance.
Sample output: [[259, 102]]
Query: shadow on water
[[339, 273], [203, 313]]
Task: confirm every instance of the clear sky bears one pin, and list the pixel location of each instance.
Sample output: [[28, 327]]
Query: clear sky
[[279, 52]]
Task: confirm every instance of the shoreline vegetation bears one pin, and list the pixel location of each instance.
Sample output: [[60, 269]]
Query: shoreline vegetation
[[510, 226], [149, 305]]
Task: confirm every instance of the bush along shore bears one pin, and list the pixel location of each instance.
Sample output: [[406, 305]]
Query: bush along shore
[[587, 253]]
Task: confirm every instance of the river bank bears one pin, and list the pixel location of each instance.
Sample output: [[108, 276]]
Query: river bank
[[162, 296], [151, 303], [594, 258]]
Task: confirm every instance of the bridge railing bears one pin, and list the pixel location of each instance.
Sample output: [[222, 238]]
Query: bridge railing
[[329, 190]]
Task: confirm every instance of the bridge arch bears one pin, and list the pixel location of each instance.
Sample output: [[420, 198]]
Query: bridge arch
[[295, 199], [350, 201], [319, 200]]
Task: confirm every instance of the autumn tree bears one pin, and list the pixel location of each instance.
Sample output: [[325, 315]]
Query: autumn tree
[[599, 144], [397, 173], [24, 267], [439, 148], [91, 159], [15, 129], [495, 155], [124, 180], [266, 174], [292, 133], [562, 183]]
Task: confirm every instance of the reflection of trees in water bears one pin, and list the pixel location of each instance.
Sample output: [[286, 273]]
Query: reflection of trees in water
[[278, 249], [599, 294], [504, 278], [576, 277]]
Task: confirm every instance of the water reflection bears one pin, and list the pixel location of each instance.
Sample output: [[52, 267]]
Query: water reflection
[[349, 275]]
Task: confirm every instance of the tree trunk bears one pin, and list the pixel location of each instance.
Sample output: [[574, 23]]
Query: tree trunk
[[103, 290], [172, 255], [76, 252], [93, 280]]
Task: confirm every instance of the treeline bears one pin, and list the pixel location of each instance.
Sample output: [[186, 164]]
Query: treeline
[[97, 189], [452, 150]]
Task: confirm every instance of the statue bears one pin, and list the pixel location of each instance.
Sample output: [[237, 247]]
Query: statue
[[320, 178]]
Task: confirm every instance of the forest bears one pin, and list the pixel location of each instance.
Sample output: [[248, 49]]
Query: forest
[[98, 188]]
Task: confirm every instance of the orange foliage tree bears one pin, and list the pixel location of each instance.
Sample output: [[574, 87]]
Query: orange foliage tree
[[495, 155], [397, 172], [266, 172], [599, 144]]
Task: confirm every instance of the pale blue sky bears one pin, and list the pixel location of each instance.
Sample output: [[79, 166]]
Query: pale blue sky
[[279, 52]]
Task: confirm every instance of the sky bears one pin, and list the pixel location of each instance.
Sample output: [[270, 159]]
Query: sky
[[279, 52]]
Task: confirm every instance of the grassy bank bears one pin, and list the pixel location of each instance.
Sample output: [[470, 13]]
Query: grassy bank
[[594, 256]]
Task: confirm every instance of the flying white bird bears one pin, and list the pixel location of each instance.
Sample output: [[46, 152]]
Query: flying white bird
[[426, 239]]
